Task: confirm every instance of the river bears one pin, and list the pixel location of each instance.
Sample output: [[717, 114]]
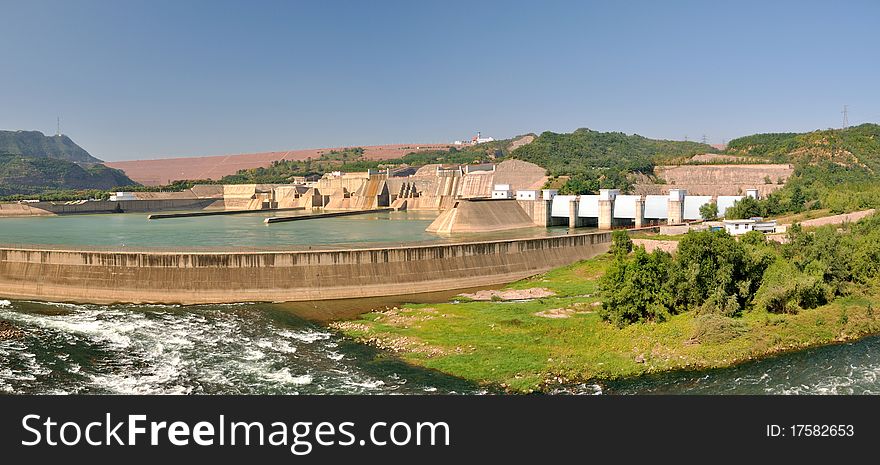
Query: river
[[266, 349]]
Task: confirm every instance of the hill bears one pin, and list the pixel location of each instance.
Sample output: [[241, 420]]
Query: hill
[[22, 175], [163, 171], [596, 159], [356, 159], [855, 147], [836, 169], [36, 144]]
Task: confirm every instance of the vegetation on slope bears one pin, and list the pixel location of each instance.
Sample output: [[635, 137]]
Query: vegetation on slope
[[22, 176], [835, 169], [36, 144], [595, 160], [353, 159]]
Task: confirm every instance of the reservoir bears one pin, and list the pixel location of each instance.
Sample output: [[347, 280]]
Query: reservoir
[[237, 232]]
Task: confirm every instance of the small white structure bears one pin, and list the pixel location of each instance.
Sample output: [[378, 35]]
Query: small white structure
[[753, 193], [526, 195], [677, 195], [122, 196], [548, 194], [502, 191], [737, 227], [766, 227], [478, 139], [608, 194]]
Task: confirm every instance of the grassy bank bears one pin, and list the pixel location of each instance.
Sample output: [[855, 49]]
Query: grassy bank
[[534, 345]]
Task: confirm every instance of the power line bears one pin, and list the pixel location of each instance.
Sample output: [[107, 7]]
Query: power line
[[845, 117]]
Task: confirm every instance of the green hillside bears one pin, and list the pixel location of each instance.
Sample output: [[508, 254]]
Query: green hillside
[[858, 146], [36, 144], [596, 159], [838, 169], [32, 175]]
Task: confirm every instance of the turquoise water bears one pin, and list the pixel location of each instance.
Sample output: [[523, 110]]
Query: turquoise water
[[247, 230], [244, 231]]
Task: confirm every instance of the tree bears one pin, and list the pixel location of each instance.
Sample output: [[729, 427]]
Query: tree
[[745, 207], [633, 288], [621, 244], [709, 211], [712, 267]]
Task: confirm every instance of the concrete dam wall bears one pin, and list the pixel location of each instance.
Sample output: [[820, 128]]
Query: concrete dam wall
[[223, 277]]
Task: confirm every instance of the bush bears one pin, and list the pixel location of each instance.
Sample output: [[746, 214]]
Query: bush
[[633, 288], [621, 244], [714, 264], [709, 211], [787, 290], [717, 329]]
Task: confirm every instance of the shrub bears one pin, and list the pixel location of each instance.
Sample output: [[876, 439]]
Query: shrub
[[709, 211], [621, 244], [633, 288], [717, 329], [787, 290]]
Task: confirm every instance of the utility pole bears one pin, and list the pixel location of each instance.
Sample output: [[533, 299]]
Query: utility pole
[[845, 117]]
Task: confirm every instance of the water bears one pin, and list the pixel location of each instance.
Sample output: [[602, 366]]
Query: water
[[265, 349], [852, 368], [243, 231], [208, 349]]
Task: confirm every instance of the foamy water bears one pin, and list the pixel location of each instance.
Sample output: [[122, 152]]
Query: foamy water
[[157, 349]]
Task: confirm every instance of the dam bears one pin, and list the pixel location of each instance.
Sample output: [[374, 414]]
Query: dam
[[126, 258]]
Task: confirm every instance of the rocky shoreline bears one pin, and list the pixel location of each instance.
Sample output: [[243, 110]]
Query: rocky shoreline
[[7, 331]]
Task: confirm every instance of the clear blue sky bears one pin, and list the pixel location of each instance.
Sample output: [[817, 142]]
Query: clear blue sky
[[157, 78]]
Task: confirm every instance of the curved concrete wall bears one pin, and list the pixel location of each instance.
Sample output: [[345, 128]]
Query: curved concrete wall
[[190, 278]]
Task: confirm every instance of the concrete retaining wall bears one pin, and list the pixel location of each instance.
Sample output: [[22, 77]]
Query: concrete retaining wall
[[105, 206], [190, 278]]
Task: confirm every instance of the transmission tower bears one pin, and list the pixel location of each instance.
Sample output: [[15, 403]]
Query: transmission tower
[[704, 138], [845, 117], [58, 126]]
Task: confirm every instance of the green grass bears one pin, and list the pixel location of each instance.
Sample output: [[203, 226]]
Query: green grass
[[507, 345]]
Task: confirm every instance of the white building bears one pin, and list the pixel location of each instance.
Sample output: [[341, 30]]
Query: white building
[[526, 195], [548, 194], [122, 196], [502, 191], [738, 227], [478, 139]]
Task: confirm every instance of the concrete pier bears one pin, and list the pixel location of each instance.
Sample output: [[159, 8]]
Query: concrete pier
[[162, 216], [284, 219], [574, 220], [606, 208], [675, 206], [640, 212]]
